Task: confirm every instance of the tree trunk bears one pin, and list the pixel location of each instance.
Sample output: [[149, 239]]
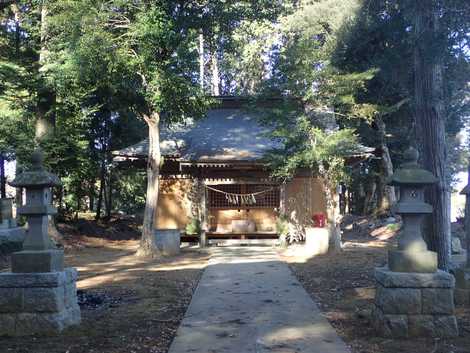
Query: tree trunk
[[3, 179], [16, 12], [148, 245], [387, 196], [78, 208], [333, 218], [60, 200], [45, 116], [91, 196], [18, 192], [430, 124], [109, 199], [215, 74], [467, 217], [105, 197], [101, 191], [201, 60], [368, 201], [343, 200]]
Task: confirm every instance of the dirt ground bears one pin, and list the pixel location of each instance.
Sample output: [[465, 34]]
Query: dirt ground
[[132, 305], [129, 305], [343, 286]]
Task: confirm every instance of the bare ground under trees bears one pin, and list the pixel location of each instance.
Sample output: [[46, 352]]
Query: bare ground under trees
[[134, 305], [129, 304], [344, 288]]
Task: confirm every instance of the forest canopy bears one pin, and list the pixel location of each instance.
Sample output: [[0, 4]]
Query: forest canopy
[[85, 78]]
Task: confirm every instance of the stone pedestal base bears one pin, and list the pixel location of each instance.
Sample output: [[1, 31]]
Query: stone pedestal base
[[12, 238], [38, 303], [414, 304], [462, 286], [168, 241], [37, 261], [8, 223], [421, 262]]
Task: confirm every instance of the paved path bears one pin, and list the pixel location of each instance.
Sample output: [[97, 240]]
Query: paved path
[[249, 301]]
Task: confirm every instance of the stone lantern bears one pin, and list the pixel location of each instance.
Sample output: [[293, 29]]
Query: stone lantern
[[412, 254], [39, 295], [413, 298], [39, 254]]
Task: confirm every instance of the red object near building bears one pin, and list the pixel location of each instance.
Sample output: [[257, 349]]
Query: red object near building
[[319, 220]]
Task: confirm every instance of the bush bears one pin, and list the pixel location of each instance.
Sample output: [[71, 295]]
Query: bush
[[282, 228], [193, 227]]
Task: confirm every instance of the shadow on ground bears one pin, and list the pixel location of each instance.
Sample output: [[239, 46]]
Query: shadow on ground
[[137, 304], [343, 285]]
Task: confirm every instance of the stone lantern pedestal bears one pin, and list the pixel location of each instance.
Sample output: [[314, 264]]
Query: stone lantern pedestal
[[39, 295], [413, 298], [462, 275]]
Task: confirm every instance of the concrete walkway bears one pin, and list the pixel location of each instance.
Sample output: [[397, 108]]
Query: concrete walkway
[[249, 301]]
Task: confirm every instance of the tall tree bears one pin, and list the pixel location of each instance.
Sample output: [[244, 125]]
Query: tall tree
[[151, 60], [430, 43]]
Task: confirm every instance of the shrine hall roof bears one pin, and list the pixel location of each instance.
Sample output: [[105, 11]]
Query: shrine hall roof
[[223, 135]]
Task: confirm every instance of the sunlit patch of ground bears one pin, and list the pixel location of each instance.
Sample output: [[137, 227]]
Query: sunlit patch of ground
[[343, 286], [140, 301]]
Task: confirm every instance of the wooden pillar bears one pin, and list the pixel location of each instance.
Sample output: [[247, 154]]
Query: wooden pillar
[[204, 215], [282, 199]]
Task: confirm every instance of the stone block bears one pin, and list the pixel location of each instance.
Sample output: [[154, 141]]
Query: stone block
[[421, 304], [168, 241], [438, 301], [70, 291], [7, 224], [12, 235], [31, 280], [421, 326], [462, 278], [38, 303], [71, 274], [73, 316], [11, 300], [37, 261], [38, 300], [462, 296], [398, 300], [439, 279], [446, 326], [7, 324], [433, 326], [39, 323], [408, 261], [390, 325]]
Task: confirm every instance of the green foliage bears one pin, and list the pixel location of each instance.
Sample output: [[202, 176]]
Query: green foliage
[[393, 227], [110, 65], [282, 226], [308, 146], [194, 226], [130, 187]]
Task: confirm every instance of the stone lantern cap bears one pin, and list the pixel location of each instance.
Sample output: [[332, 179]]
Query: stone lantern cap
[[411, 172], [36, 176]]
